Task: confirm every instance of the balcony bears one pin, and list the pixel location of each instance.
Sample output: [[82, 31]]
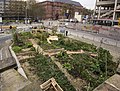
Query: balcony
[[104, 3]]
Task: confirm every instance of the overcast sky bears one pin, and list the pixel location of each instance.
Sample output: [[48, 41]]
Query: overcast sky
[[86, 3]]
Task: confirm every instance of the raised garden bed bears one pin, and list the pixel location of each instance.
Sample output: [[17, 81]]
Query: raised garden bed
[[21, 41], [93, 69], [46, 69]]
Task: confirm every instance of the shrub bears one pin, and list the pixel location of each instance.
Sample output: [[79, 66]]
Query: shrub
[[28, 45], [67, 66], [42, 27], [26, 35], [17, 49], [32, 49]]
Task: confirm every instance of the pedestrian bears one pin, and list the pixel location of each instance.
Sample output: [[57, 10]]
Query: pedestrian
[[49, 23], [101, 41], [66, 33]]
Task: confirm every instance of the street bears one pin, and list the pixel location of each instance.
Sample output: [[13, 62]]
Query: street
[[6, 60], [10, 79]]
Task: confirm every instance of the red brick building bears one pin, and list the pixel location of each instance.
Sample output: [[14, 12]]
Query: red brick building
[[56, 9]]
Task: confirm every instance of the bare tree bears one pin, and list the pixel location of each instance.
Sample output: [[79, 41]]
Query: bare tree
[[35, 10], [68, 10]]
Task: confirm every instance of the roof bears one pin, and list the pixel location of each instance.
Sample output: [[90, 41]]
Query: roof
[[67, 1]]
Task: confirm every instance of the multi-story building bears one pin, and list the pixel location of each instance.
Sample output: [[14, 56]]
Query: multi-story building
[[107, 9], [1, 7], [58, 9], [15, 9], [12, 9]]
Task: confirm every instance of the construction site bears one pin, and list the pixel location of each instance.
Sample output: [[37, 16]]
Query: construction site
[[107, 9]]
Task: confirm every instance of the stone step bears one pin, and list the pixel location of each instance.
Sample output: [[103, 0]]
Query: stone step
[[32, 87], [11, 80], [7, 63]]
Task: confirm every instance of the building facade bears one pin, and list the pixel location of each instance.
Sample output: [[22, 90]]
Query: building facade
[[59, 9], [107, 9], [1, 7], [12, 9]]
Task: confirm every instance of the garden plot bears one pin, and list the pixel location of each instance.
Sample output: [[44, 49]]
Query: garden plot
[[82, 61], [93, 65], [38, 68]]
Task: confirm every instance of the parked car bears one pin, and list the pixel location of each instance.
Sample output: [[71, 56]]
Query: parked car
[[74, 20]]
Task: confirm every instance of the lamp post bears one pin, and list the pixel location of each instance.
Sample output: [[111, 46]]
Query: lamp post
[[25, 11], [52, 9], [18, 10]]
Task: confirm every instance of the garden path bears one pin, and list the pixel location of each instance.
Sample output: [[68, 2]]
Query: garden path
[[36, 46]]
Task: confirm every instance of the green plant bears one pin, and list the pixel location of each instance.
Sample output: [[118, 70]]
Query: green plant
[[28, 44], [54, 30], [42, 27], [46, 69], [16, 49], [32, 49], [25, 35], [62, 54], [91, 69], [67, 66]]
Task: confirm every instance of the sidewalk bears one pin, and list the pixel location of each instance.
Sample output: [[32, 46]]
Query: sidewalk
[[11, 80], [115, 51]]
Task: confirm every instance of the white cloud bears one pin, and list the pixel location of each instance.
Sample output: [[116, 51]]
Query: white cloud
[[87, 3]]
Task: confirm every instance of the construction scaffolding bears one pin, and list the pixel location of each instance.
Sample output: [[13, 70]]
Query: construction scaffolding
[[107, 9]]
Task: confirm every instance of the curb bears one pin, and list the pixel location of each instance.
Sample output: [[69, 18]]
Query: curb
[[106, 41], [20, 69]]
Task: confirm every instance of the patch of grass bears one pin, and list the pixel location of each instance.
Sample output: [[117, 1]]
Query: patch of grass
[[28, 45], [17, 49], [25, 35]]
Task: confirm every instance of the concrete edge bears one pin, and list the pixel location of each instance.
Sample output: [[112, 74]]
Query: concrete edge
[[20, 69]]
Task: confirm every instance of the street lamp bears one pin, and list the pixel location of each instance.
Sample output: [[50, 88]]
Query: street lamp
[[25, 11], [52, 9], [18, 9]]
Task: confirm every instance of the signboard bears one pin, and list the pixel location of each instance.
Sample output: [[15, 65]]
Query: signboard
[[119, 22], [0, 19]]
